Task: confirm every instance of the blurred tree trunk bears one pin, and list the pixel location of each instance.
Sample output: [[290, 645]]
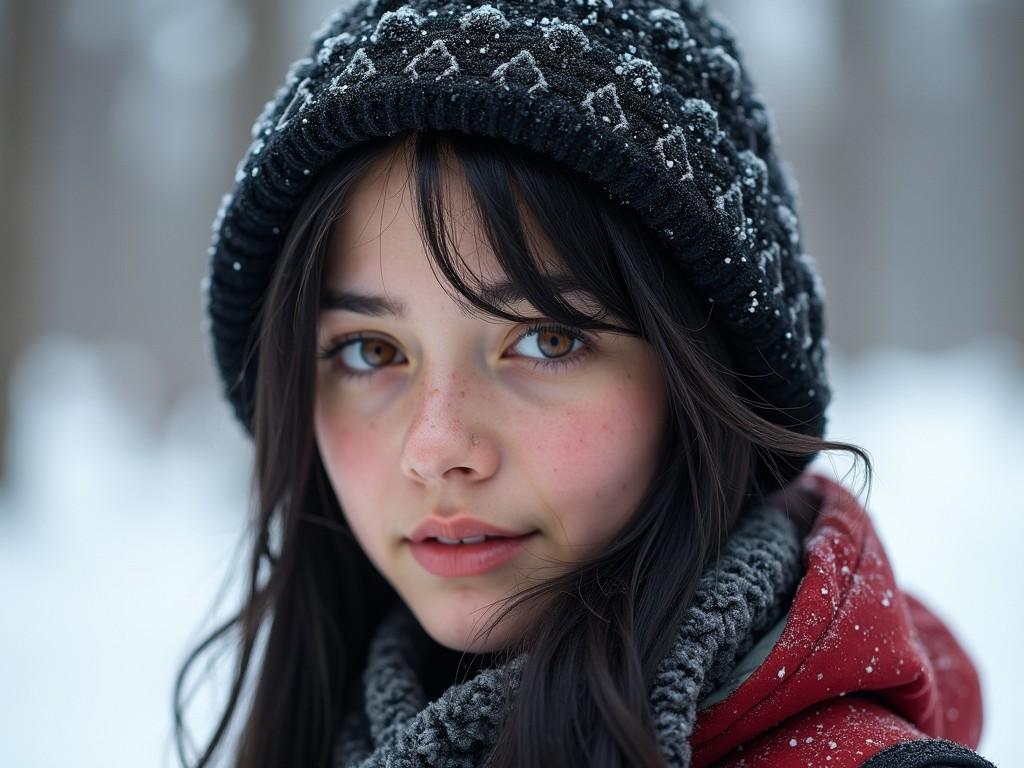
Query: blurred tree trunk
[[1005, 28], [20, 26], [263, 68]]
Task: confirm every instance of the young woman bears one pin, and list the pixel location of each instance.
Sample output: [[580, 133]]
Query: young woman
[[512, 300]]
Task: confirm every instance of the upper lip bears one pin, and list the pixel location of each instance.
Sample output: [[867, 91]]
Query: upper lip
[[461, 527]]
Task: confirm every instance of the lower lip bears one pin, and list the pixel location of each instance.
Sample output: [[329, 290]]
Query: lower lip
[[466, 559]]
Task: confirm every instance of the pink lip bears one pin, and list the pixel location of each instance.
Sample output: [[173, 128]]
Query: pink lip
[[463, 527], [466, 559]]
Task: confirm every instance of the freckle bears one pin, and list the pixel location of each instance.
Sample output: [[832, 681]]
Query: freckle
[[462, 393]]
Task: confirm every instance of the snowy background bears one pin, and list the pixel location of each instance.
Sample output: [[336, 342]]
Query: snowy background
[[123, 479]]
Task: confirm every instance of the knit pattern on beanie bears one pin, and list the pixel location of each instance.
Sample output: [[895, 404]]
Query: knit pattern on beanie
[[739, 597], [648, 100]]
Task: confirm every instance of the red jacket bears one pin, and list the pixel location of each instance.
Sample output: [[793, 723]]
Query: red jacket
[[861, 672]]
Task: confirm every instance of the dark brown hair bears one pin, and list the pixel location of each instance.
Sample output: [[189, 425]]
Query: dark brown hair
[[314, 599]]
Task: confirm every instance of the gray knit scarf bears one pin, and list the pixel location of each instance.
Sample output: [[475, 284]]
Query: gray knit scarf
[[741, 599]]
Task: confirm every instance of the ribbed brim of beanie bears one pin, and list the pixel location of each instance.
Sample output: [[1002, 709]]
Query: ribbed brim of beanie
[[651, 102]]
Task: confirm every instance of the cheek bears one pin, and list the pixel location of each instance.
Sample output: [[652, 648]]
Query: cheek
[[592, 463], [352, 450]]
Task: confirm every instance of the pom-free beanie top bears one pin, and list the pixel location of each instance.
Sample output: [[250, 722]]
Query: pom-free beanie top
[[649, 100]]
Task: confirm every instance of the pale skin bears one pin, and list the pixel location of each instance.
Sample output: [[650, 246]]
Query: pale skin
[[452, 416]]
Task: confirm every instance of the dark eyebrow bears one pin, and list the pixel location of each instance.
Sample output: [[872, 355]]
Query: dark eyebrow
[[503, 292], [361, 303]]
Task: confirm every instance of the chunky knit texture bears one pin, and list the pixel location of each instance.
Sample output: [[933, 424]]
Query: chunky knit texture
[[738, 599], [649, 100]]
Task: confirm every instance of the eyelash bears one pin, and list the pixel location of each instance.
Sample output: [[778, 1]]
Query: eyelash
[[559, 363]]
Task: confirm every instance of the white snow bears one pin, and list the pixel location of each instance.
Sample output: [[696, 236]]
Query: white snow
[[115, 534], [117, 528]]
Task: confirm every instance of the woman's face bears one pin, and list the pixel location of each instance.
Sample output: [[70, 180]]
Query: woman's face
[[436, 413]]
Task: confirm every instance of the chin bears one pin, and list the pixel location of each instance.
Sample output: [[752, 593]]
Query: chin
[[459, 625]]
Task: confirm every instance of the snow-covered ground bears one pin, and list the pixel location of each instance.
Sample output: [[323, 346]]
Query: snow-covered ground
[[117, 529]]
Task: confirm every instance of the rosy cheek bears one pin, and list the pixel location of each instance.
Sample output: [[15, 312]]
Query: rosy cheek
[[592, 463], [577, 444], [352, 458]]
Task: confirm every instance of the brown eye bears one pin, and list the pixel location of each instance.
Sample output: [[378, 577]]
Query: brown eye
[[376, 352], [554, 343], [361, 355]]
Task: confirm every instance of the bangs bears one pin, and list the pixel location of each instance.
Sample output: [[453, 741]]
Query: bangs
[[520, 199]]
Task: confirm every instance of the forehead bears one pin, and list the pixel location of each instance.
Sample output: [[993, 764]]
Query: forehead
[[375, 240]]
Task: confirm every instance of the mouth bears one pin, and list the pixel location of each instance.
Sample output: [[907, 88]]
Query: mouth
[[471, 556], [460, 528], [470, 539]]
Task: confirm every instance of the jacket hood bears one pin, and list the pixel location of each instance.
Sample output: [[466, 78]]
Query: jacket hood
[[856, 666]]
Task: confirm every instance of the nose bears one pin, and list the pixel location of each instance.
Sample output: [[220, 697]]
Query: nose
[[445, 441]]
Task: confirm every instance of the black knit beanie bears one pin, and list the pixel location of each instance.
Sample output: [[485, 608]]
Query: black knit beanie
[[648, 99]]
